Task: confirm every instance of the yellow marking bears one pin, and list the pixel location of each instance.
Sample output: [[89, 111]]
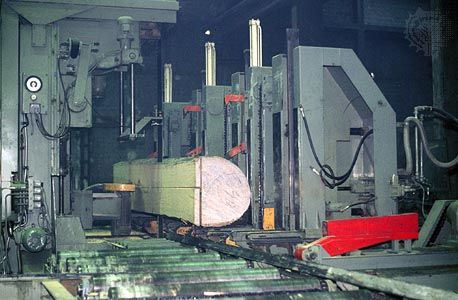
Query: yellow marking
[[231, 242], [119, 187], [268, 223], [57, 290]]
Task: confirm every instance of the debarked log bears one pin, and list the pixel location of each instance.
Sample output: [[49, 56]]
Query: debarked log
[[206, 191]]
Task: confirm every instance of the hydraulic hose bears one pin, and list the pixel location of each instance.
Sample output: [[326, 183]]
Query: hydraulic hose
[[326, 169], [407, 148], [424, 141]]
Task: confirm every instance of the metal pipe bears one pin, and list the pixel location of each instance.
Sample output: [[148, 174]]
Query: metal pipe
[[132, 99], [210, 64], [105, 281], [26, 154], [160, 149], [162, 267], [168, 83], [121, 103], [61, 194], [255, 43], [218, 289]]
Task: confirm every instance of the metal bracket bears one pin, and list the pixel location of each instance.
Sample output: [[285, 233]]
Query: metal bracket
[[233, 98], [82, 76]]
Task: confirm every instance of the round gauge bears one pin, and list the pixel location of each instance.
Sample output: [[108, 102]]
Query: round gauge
[[33, 84]]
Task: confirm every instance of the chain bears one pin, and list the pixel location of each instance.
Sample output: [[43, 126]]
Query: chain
[[260, 158], [226, 115]]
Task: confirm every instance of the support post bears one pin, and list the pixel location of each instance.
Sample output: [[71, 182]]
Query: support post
[[292, 36]]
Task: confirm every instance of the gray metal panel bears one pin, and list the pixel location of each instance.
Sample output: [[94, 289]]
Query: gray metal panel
[[43, 154], [9, 97], [308, 89], [280, 81], [69, 234], [213, 121], [163, 11], [175, 130]]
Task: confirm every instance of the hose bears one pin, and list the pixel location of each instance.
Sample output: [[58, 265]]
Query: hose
[[326, 169], [424, 141], [438, 112], [407, 148]]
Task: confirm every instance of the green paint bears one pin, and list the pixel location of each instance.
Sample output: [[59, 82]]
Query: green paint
[[166, 188]]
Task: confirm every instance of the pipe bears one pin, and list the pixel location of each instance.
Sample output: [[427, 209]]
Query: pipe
[[424, 140], [132, 99], [168, 83], [407, 150], [160, 149], [255, 43], [121, 103], [210, 64]]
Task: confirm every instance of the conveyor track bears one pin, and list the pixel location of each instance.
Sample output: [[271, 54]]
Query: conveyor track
[[159, 268]]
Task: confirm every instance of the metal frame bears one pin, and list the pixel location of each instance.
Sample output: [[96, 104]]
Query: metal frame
[[323, 76], [212, 103]]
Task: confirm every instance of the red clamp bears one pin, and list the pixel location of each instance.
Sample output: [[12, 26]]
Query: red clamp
[[195, 152], [191, 108], [344, 236], [236, 151], [233, 98]]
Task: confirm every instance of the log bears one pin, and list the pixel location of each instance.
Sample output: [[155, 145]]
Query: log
[[206, 191]]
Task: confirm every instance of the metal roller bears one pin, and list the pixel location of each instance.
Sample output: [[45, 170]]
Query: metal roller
[[161, 267], [217, 289]]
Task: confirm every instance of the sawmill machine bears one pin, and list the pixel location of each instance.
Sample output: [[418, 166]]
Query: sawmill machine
[[299, 152]]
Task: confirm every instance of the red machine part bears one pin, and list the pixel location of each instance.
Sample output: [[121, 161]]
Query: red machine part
[[192, 108], [236, 151], [195, 152], [343, 236], [233, 98]]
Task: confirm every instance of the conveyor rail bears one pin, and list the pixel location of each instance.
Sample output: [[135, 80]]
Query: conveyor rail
[[158, 268]]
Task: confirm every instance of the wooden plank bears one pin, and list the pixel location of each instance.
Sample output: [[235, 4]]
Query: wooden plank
[[57, 290]]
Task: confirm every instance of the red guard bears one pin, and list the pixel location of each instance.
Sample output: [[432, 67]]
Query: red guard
[[343, 236]]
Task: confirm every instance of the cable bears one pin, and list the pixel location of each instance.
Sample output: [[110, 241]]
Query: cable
[[438, 112], [357, 203], [325, 169], [65, 116]]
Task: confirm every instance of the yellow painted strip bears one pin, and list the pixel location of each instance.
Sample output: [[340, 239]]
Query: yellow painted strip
[[231, 242], [119, 187], [57, 290], [268, 223]]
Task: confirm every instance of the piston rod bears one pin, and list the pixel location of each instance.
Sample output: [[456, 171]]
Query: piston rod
[[121, 103], [132, 99]]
